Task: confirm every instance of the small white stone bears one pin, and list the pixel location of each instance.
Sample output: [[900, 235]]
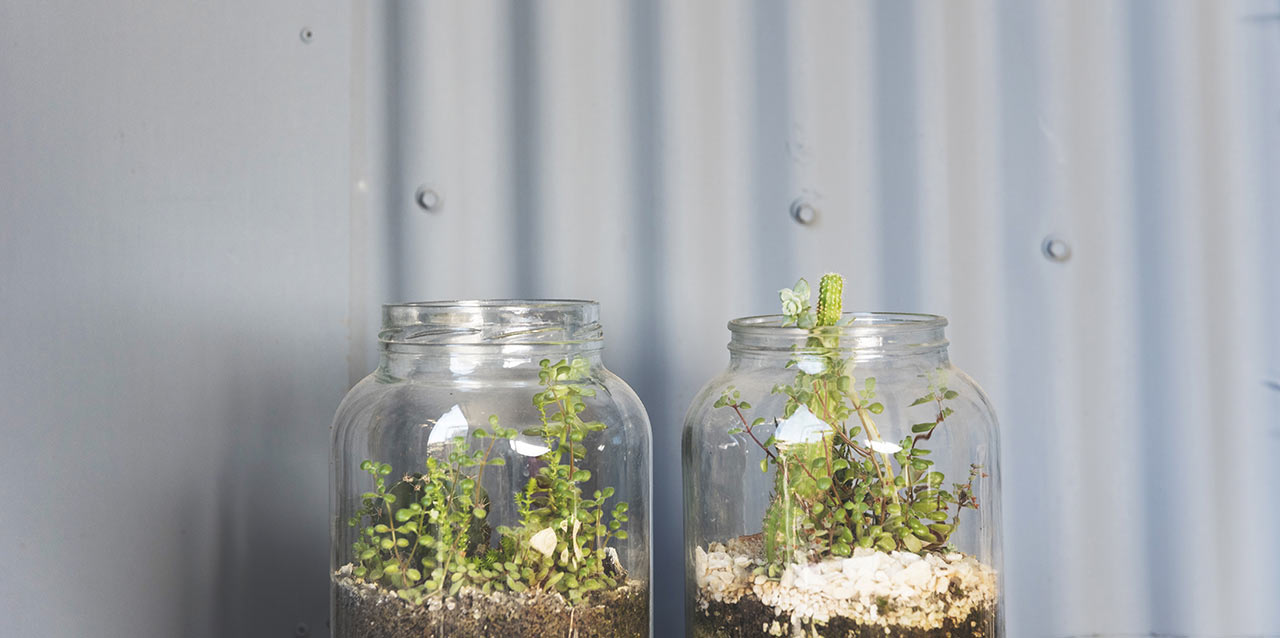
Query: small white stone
[[811, 364], [883, 447], [544, 541], [801, 427]]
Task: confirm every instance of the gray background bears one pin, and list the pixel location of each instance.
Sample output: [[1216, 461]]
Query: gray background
[[202, 210], [174, 276]]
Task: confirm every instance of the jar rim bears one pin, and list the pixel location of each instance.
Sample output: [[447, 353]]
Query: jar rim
[[863, 331], [491, 322], [494, 303], [859, 320]]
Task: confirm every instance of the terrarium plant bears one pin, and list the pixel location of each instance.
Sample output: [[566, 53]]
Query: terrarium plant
[[532, 524], [858, 528], [427, 534]]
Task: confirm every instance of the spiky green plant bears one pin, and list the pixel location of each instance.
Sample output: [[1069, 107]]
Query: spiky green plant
[[830, 299]]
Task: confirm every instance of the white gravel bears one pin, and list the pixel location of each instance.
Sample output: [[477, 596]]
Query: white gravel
[[871, 587]]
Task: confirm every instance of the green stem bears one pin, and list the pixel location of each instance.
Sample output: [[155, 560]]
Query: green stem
[[395, 549], [870, 426], [568, 440], [747, 428], [480, 473]]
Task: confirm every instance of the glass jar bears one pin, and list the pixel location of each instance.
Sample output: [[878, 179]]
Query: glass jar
[[842, 481], [490, 478]]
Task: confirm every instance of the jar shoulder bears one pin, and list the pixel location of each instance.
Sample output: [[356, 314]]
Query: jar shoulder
[[903, 391], [379, 398]]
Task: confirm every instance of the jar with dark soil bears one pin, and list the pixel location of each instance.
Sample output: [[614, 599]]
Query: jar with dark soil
[[841, 479], [491, 478]]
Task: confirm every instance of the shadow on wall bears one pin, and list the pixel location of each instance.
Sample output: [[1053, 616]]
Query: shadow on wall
[[269, 563]]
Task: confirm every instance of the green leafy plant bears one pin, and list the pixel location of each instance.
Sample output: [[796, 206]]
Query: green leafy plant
[[429, 532], [845, 486]]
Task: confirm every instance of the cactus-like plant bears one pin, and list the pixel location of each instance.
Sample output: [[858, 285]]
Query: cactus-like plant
[[830, 299]]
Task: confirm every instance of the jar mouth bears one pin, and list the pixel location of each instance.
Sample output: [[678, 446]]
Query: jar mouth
[[497, 322], [862, 331]]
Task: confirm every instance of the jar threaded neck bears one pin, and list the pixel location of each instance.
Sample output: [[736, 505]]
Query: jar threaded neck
[[862, 334], [491, 322]]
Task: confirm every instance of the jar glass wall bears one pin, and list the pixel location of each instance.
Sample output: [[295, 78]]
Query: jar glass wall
[[491, 477], [842, 481]]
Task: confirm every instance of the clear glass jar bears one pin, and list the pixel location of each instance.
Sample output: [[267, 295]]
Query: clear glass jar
[[842, 481], [490, 478]]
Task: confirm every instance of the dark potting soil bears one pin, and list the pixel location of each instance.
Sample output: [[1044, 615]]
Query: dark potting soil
[[750, 618], [372, 612]]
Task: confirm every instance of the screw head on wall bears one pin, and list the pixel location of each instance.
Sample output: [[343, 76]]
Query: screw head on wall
[[803, 212], [427, 199], [306, 34], [1055, 249]]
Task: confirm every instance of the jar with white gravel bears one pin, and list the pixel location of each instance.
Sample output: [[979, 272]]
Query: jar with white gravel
[[491, 478], [842, 480]]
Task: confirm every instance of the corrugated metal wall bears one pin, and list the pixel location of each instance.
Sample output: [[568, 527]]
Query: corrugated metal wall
[[648, 155]]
